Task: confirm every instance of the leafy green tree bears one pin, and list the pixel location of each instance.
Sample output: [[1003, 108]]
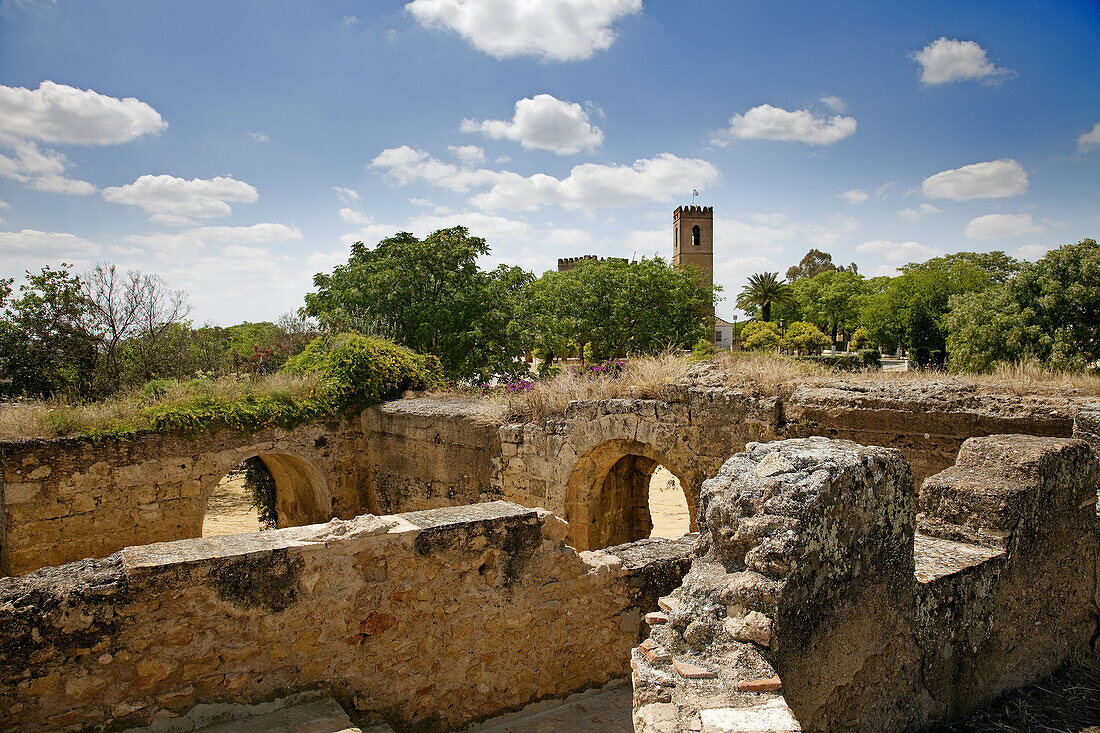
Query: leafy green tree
[[764, 290], [831, 300], [614, 308], [760, 336], [46, 345], [1050, 311], [804, 337], [909, 310], [429, 295]]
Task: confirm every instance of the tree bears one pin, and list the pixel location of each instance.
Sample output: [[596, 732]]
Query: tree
[[804, 337], [429, 295], [760, 336], [46, 346], [812, 263], [831, 300], [133, 309], [1050, 311], [764, 290], [909, 310], [615, 308]]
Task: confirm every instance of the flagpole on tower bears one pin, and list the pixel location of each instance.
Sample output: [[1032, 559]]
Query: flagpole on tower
[[694, 193]]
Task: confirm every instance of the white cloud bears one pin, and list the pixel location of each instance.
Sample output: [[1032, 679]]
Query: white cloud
[[1031, 252], [554, 30], [994, 226], [594, 186], [990, 180], [42, 169], [348, 21], [898, 251], [30, 249], [854, 196], [4, 204], [467, 154], [356, 218], [178, 247], [588, 186], [404, 165], [258, 136], [836, 104], [543, 122], [479, 224], [56, 113], [172, 200], [346, 195], [1089, 140], [918, 213], [420, 202], [945, 61], [766, 122]]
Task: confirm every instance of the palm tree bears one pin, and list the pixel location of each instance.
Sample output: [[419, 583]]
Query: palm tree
[[764, 289]]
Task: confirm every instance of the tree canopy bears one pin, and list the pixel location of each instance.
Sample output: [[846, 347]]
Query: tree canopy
[[615, 308], [764, 290], [429, 295]]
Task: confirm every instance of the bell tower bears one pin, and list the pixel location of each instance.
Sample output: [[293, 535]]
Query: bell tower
[[693, 241]]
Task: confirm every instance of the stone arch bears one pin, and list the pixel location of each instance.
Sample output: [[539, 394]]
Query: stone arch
[[302, 494], [607, 497]]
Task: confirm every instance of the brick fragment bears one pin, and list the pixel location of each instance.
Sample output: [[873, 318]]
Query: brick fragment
[[769, 684], [692, 671]]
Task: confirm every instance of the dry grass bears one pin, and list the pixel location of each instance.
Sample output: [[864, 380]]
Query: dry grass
[[1066, 702], [642, 377], [127, 413], [765, 374], [1021, 378]]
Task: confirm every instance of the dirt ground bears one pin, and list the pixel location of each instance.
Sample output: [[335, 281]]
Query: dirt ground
[[230, 510], [667, 505]]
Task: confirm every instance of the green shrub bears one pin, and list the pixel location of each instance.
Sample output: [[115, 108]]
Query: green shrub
[[260, 486], [157, 388], [760, 335], [871, 358], [861, 339], [804, 337], [841, 362], [703, 350], [356, 371]]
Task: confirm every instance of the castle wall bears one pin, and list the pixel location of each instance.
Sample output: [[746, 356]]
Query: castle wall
[[67, 499], [425, 620], [71, 498]]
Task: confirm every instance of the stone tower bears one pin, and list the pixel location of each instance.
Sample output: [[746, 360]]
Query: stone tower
[[693, 241]]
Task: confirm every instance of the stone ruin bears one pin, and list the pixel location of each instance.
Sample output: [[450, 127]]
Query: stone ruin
[[820, 600], [824, 591]]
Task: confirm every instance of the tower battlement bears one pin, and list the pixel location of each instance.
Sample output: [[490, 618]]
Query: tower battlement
[[700, 210]]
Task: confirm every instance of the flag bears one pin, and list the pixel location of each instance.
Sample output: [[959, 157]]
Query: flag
[[694, 192]]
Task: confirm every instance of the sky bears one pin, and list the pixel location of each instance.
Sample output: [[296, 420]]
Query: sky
[[235, 148]]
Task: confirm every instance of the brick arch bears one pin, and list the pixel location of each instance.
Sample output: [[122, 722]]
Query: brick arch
[[302, 493], [607, 495]]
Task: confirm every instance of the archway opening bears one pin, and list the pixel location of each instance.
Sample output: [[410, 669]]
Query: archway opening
[[636, 498], [239, 500], [668, 507], [264, 492]]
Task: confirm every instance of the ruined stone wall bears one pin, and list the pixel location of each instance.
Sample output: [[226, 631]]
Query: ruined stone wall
[[814, 606], [426, 453], [425, 620], [70, 498]]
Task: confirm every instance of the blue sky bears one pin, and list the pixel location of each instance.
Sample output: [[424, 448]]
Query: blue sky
[[236, 148]]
